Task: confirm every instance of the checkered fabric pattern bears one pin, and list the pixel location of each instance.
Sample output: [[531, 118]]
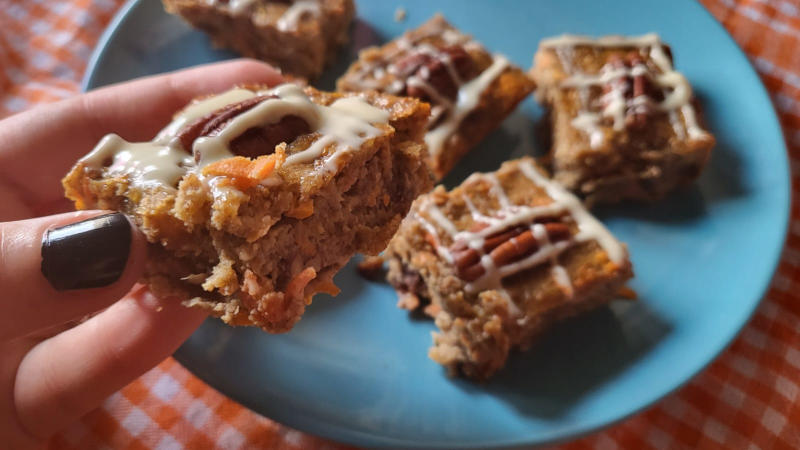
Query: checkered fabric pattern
[[748, 398]]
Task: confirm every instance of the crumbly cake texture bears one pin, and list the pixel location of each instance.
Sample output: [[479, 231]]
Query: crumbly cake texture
[[299, 36], [279, 189], [499, 259], [471, 90], [625, 124]]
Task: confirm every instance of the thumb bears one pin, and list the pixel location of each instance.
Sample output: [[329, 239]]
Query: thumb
[[59, 268]]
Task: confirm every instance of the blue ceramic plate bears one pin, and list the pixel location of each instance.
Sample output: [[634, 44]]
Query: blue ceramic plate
[[355, 369]]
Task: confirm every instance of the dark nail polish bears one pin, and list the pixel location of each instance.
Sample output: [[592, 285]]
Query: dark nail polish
[[87, 254]]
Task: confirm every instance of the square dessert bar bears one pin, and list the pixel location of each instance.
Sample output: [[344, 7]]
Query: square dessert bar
[[471, 91], [624, 123], [254, 198], [497, 260], [299, 36]]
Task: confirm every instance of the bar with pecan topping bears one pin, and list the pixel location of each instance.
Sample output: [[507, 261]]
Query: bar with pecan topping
[[499, 259], [470, 90], [254, 198], [625, 124], [300, 37]]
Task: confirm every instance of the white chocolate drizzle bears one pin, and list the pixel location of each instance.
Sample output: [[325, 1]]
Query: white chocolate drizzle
[[299, 9], [341, 127], [288, 21], [370, 75], [675, 88], [469, 94], [145, 163], [235, 6], [510, 215]]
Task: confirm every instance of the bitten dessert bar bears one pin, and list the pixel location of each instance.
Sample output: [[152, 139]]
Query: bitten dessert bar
[[254, 198]]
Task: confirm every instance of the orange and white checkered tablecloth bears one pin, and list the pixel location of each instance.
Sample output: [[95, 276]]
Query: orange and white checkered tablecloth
[[748, 398]]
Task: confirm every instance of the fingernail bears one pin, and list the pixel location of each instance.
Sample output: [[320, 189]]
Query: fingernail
[[87, 254]]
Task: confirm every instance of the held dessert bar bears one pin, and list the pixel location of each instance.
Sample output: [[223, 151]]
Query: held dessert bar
[[254, 198], [298, 36], [497, 260], [624, 122], [471, 90]]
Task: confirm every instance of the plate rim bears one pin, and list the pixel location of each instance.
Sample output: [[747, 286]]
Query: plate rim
[[357, 437]]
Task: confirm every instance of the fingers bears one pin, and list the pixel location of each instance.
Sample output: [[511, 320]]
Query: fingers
[[68, 375], [59, 268], [38, 147]]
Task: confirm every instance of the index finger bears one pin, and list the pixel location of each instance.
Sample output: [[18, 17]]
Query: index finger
[[39, 146]]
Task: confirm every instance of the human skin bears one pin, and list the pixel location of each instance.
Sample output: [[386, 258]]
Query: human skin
[[54, 368]]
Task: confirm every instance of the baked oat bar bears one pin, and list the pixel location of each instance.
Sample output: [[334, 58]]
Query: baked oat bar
[[624, 122], [254, 198], [499, 259], [299, 36], [471, 90]]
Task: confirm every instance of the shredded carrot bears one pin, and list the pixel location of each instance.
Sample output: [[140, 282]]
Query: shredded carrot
[[430, 239], [627, 293], [432, 310], [244, 172], [298, 284], [303, 210]]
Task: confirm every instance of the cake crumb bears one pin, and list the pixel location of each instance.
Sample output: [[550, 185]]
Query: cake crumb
[[400, 14]]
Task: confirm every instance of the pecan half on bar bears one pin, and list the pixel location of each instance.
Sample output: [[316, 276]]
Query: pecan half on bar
[[252, 143], [434, 70], [504, 247]]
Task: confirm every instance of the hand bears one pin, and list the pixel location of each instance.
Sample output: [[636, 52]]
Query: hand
[[52, 370]]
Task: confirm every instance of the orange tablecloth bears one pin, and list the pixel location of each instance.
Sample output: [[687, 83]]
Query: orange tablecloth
[[748, 398]]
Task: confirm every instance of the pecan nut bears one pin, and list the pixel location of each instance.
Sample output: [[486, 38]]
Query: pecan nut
[[637, 89], [434, 71], [253, 142], [503, 247]]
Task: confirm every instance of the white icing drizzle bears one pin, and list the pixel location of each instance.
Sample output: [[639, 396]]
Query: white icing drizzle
[[676, 89], [288, 20], [469, 94], [291, 18], [235, 6], [691, 122], [201, 108], [342, 127], [589, 227], [497, 190], [346, 123], [369, 76], [509, 216], [146, 163]]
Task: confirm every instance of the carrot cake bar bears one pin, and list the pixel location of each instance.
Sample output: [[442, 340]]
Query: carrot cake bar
[[497, 260], [471, 90], [254, 198], [625, 124], [299, 36]]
